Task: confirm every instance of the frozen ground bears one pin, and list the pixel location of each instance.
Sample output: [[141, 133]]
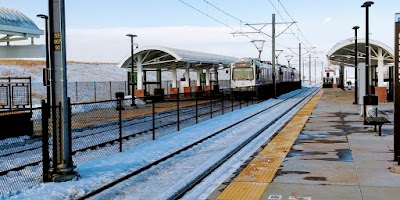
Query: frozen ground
[[98, 172]]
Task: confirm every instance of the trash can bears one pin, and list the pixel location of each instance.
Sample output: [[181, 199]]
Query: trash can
[[370, 103]]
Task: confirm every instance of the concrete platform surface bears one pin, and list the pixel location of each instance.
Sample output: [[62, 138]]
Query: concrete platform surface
[[337, 157]]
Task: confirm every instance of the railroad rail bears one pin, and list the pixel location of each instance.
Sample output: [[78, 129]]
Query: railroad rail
[[180, 192]]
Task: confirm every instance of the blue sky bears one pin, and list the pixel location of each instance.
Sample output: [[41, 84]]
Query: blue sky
[[96, 29]]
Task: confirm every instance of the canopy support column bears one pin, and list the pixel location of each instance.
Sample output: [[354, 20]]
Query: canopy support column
[[208, 76], [380, 90], [174, 76], [139, 74], [334, 79], [174, 89], [186, 88], [199, 72]]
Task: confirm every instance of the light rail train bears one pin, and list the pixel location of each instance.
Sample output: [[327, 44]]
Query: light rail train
[[252, 77]]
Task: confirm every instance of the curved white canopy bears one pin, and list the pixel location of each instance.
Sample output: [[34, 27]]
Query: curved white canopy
[[155, 56], [343, 52], [15, 23]]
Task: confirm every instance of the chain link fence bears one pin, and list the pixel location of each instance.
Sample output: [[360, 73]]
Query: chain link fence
[[107, 127]]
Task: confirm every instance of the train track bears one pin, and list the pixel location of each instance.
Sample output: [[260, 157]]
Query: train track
[[35, 148], [164, 163]]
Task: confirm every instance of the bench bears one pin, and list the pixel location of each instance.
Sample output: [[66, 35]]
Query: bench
[[377, 118]]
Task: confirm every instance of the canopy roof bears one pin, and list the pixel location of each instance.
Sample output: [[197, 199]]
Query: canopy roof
[[162, 57], [343, 52], [14, 23]]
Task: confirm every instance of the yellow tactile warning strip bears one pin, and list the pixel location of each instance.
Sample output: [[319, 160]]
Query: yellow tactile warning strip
[[254, 179], [244, 190]]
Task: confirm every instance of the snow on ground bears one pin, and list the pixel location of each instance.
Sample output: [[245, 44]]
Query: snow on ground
[[96, 173], [85, 75]]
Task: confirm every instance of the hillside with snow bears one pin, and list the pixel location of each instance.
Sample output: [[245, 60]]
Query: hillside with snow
[[87, 82], [76, 72]]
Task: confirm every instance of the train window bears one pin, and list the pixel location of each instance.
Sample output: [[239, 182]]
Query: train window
[[243, 73]]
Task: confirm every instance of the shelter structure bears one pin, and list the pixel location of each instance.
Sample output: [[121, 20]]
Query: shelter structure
[[156, 58], [382, 58], [15, 26]]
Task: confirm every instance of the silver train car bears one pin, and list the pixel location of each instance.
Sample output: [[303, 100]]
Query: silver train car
[[251, 77]]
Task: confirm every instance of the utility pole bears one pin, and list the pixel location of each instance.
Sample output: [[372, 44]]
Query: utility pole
[[62, 169], [300, 63], [273, 54], [304, 66], [309, 67], [315, 70], [273, 37]]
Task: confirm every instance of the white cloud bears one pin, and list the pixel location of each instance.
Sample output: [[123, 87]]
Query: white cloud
[[327, 20]]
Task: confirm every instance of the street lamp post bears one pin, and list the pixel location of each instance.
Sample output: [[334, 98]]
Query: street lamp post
[[46, 76], [366, 5], [355, 28], [370, 101], [132, 68]]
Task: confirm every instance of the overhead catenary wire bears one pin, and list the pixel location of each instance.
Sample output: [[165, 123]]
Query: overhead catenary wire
[[263, 34], [279, 13], [301, 33], [213, 18]]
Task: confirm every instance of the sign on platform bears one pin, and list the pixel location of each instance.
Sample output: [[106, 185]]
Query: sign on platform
[[57, 41], [397, 90]]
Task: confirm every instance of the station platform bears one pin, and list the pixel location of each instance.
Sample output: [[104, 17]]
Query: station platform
[[324, 152]]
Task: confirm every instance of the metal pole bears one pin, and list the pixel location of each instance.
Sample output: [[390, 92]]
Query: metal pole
[[304, 66], [177, 110], [273, 54], [46, 20], [355, 64], [154, 119], [300, 63], [211, 104], [223, 99], [132, 68], [47, 57], [197, 108], [119, 106], [309, 67], [59, 92], [366, 5], [315, 70]]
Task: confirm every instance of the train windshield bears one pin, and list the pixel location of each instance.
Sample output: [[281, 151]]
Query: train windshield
[[243, 73]]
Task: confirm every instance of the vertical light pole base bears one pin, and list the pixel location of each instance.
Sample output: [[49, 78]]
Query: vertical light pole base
[[64, 174]]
